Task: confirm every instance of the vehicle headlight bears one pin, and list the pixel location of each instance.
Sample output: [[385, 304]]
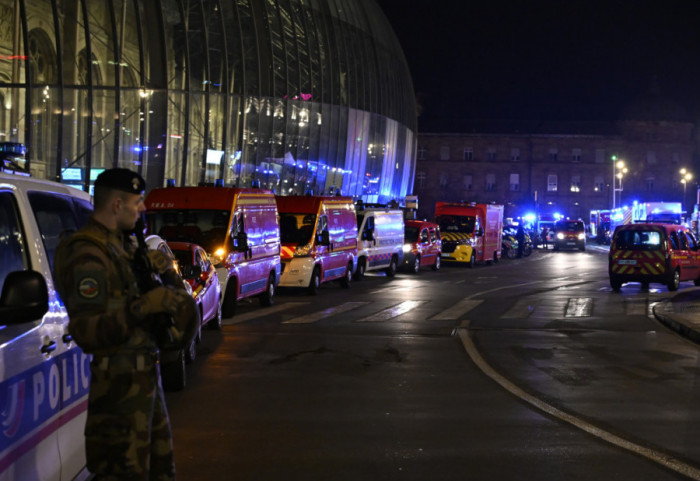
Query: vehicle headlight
[[303, 251], [560, 236], [218, 256], [581, 236], [407, 248]]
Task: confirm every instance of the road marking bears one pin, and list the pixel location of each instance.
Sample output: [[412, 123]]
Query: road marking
[[390, 313], [522, 309], [579, 307], [456, 311], [663, 459], [261, 312], [331, 311]]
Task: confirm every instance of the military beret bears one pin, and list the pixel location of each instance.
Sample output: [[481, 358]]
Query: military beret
[[121, 179]]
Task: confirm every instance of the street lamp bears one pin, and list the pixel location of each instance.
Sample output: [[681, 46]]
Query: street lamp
[[620, 170], [686, 177]]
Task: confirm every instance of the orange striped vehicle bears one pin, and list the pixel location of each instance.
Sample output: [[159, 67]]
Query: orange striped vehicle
[[645, 253]]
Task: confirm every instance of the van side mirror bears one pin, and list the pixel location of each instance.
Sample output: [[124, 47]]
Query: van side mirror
[[325, 238], [24, 297], [240, 242]]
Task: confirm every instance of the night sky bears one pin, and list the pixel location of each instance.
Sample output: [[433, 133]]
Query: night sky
[[546, 59]]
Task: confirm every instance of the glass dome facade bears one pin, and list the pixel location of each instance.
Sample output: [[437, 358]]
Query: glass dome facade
[[296, 94]]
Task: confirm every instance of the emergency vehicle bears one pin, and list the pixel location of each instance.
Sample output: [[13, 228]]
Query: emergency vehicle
[[238, 228], [319, 240], [471, 232], [380, 232], [44, 375], [664, 253], [422, 246], [569, 234]]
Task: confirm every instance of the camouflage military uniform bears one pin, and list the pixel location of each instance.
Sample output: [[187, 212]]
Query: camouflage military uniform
[[127, 433]]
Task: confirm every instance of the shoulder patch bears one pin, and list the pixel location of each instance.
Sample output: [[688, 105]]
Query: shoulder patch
[[90, 286]]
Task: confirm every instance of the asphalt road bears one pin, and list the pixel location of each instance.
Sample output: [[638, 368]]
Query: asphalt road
[[527, 369]]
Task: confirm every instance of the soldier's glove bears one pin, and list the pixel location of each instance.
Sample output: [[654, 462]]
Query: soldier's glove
[[160, 261], [159, 300]]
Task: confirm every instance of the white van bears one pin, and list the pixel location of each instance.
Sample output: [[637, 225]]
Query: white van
[[44, 376], [380, 232]]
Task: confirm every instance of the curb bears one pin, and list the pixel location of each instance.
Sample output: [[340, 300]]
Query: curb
[[668, 320]]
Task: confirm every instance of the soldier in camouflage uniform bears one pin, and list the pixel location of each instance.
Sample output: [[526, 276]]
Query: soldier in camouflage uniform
[[127, 433]]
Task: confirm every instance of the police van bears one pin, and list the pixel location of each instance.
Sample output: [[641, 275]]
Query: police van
[[44, 376], [380, 234]]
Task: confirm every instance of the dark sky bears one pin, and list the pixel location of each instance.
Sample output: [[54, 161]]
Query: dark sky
[[547, 59]]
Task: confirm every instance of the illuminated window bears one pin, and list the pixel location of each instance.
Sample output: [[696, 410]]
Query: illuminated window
[[575, 183], [552, 183]]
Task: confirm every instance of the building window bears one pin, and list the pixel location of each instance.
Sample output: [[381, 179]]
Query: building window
[[490, 182], [445, 152], [599, 183], [420, 179], [514, 182], [422, 152], [575, 183], [444, 177], [552, 183], [468, 153], [651, 158], [515, 154], [650, 184], [491, 154], [553, 154], [467, 181], [599, 156], [575, 155]]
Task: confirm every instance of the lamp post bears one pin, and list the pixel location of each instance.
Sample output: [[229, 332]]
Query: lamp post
[[686, 177], [619, 170]]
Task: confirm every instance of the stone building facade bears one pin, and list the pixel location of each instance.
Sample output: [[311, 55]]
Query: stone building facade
[[560, 167]]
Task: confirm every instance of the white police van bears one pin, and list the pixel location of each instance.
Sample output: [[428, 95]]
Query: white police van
[[380, 233], [44, 376]]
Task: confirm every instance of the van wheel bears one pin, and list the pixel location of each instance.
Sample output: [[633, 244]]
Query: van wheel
[[393, 266], [173, 373], [346, 281], [361, 267], [228, 309], [267, 298], [472, 261], [215, 323], [315, 282], [674, 281], [615, 283], [436, 265], [416, 265]]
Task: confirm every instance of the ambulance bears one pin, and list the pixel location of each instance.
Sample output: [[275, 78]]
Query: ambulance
[[237, 227], [470, 232], [380, 233], [44, 375], [319, 240]]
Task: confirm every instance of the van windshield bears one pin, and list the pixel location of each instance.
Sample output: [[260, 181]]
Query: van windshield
[[411, 234], [456, 223], [296, 228], [571, 226], [638, 240], [206, 228]]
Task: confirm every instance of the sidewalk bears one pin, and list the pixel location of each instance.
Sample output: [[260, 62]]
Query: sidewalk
[[682, 313]]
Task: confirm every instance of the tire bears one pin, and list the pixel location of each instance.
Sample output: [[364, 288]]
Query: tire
[[315, 282], [415, 269], [675, 281], [436, 265], [267, 298], [173, 374], [472, 261], [228, 308], [615, 283], [215, 323], [393, 266], [361, 267], [346, 280], [510, 253], [527, 250]]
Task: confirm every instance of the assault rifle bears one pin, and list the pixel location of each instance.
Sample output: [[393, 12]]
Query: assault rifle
[[162, 325]]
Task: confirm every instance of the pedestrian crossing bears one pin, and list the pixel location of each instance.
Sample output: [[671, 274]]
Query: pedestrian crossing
[[533, 308]]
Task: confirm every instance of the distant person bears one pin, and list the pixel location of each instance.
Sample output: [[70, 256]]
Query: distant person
[[520, 237]]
